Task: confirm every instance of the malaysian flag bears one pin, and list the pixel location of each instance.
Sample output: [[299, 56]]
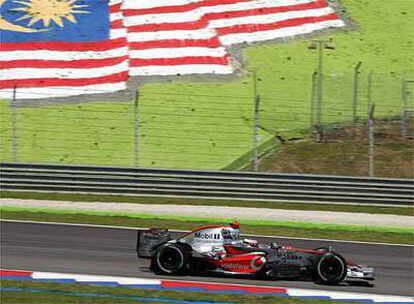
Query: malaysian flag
[[62, 47], [53, 48], [172, 38], [169, 37]]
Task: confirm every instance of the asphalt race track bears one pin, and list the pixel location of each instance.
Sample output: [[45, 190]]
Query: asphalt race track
[[108, 251]]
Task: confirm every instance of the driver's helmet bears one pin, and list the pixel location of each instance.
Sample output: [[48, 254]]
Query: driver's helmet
[[231, 233]]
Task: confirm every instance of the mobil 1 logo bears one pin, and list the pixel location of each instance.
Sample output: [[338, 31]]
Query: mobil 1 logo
[[207, 236]]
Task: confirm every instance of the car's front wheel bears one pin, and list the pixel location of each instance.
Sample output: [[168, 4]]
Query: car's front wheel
[[171, 259], [331, 269]]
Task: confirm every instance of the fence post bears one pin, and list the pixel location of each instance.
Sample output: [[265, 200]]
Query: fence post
[[312, 109], [320, 45], [136, 131], [319, 132], [370, 125], [355, 95], [371, 140], [404, 108], [14, 125], [319, 123], [369, 90], [256, 135]]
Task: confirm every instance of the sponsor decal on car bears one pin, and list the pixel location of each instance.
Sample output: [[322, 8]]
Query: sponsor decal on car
[[235, 266], [207, 236], [257, 262]]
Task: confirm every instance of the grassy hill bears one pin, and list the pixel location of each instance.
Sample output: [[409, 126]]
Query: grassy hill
[[207, 123], [345, 151]]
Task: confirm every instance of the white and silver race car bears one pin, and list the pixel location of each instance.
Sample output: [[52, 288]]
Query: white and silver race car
[[219, 249]]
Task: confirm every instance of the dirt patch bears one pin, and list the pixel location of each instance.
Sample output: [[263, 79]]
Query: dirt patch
[[345, 151]]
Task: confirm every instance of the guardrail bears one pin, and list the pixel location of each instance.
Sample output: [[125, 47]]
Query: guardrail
[[207, 184]]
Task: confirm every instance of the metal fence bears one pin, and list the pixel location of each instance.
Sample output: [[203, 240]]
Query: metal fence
[[206, 184], [223, 130]]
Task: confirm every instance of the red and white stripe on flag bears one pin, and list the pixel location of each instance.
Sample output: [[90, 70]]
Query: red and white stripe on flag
[[172, 38], [56, 69], [247, 21]]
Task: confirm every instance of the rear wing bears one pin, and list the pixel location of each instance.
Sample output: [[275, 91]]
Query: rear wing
[[149, 241]]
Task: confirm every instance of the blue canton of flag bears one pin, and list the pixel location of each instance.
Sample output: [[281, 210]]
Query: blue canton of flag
[[58, 48], [56, 20]]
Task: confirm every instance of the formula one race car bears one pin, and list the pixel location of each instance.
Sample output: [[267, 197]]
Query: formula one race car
[[219, 249]]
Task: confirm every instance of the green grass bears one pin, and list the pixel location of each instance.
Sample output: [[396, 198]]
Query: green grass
[[292, 229], [204, 202], [207, 123], [66, 293]]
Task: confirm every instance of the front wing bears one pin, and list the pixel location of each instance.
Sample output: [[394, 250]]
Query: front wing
[[360, 273]]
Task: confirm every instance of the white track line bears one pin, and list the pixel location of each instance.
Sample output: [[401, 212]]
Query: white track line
[[183, 231]]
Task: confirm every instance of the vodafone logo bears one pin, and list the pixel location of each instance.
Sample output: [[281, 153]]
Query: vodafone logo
[[235, 266], [257, 262]]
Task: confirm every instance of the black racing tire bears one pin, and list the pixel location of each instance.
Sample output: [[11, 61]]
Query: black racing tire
[[330, 269], [170, 259]]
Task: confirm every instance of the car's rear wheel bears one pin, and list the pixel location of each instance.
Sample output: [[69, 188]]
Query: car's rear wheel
[[331, 269], [171, 259]]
